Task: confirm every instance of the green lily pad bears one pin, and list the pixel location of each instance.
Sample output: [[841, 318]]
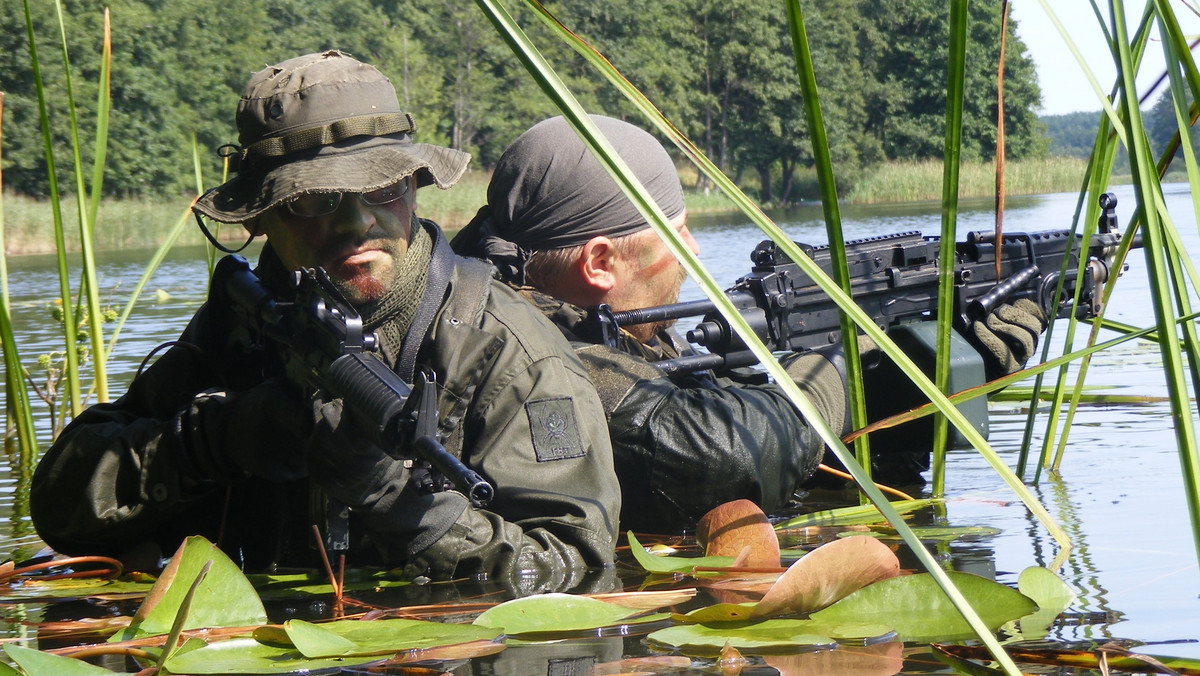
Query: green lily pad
[[379, 637], [70, 588], [670, 564], [1052, 596], [920, 611], [556, 613], [38, 663], [224, 599], [766, 636], [849, 516], [721, 612], [248, 656], [928, 533]]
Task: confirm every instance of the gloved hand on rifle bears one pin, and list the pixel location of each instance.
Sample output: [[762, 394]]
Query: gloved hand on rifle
[[229, 436], [1008, 336], [402, 519]]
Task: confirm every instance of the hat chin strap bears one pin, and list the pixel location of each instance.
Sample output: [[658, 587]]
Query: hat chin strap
[[213, 240]]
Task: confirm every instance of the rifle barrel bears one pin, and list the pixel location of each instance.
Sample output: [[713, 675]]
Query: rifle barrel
[[662, 313]]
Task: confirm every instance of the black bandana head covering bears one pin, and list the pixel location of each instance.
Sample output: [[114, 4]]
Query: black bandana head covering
[[549, 192]]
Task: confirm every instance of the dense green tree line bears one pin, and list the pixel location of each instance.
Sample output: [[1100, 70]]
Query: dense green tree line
[[722, 71]]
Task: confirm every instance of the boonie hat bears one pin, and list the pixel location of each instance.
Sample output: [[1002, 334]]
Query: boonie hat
[[322, 123]]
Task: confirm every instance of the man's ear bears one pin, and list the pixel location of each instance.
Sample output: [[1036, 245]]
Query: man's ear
[[597, 262]]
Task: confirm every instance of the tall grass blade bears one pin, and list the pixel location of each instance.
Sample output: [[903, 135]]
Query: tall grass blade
[[553, 87], [88, 283], [64, 284], [833, 225], [956, 68], [1146, 185], [18, 410]]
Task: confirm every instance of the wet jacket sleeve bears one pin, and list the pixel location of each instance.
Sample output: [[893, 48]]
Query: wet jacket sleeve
[[683, 447], [532, 425], [112, 477]]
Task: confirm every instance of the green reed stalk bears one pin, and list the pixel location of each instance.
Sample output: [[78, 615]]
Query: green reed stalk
[[955, 86], [573, 112], [1146, 185], [64, 284], [88, 283], [17, 404], [827, 186]]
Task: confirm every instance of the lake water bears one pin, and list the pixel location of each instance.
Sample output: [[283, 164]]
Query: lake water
[[1120, 495]]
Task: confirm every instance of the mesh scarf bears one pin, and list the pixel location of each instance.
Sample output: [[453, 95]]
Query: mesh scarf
[[392, 314]]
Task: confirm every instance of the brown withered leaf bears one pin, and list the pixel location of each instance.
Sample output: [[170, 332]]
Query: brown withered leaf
[[827, 574], [730, 527], [731, 661], [664, 664]]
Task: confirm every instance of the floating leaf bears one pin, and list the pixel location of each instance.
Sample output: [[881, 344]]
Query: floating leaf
[[920, 611], [248, 656], [31, 589], [553, 613], [1073, 658], [846, 516], [378, 637], [768, 635], [671, 564], [642, 665], [720, 612], [647, 600], [829, 573], [224, 599], [729, 528], [38, 663], [929, 533], [877, 659], [1050, 593]]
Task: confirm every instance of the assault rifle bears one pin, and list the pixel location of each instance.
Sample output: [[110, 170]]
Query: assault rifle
[[321, 340], [894, 279]]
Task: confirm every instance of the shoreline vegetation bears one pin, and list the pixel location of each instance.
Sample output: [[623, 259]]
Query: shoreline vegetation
[[143, 223]]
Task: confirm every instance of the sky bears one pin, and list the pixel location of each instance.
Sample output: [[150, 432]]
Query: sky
[[1065, 88]]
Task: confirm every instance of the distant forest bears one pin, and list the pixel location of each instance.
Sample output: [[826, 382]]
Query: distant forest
[[1074, 134], [722, 71]]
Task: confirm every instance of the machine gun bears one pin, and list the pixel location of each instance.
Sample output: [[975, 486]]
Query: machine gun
[[894, 279], [323, 346]]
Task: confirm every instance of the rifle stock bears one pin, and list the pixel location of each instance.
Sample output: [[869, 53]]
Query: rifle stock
[[320, 338]]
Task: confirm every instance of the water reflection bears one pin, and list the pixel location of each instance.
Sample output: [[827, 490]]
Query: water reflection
[[1120, 495]]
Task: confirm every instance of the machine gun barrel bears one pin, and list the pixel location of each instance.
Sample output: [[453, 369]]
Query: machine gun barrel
[[894, 279], [326, 349]]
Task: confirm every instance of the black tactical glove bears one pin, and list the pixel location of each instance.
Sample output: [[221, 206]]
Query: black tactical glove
[[402, 519], [1008, 336], [229, 436]]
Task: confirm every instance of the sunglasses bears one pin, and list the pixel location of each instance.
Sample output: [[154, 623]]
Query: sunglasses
[[322, 204]]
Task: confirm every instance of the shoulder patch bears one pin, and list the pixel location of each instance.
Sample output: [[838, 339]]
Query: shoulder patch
[[554, 430]]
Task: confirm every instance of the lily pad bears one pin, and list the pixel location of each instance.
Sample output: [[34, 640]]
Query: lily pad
[[224, 599], [554, 613], [69, 588], [847, 516], [720, 612], [929, 533], [829, 573], [731, 527], [765, 636], [1052, 596], [38, 663], [379, 637], [876, 659], [920, 611], [670, 564], [248, 656]]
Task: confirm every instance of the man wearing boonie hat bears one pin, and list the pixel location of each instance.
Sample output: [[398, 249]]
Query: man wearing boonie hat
[[211, 440], [560, 231]]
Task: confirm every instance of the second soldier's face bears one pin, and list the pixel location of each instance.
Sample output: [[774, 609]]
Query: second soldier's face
[[359, 245], [650, 275]]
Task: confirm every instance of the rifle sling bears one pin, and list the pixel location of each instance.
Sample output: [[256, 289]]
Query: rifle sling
[[441, 265]]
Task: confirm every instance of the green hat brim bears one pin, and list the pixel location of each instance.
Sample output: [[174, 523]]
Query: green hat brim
[[355, 165]]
